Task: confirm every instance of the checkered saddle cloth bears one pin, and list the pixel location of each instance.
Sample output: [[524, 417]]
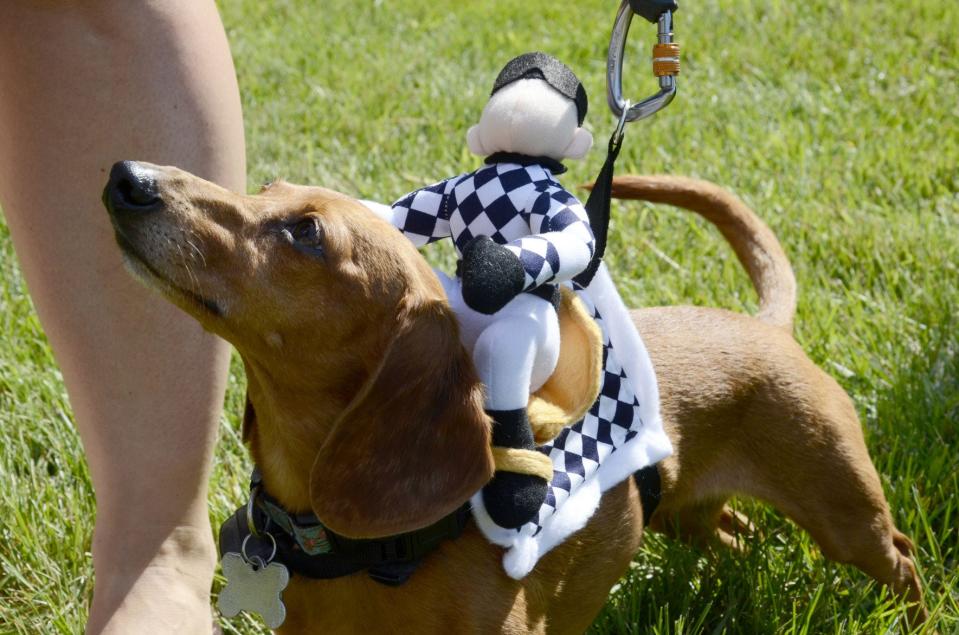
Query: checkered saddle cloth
[[594, 454]]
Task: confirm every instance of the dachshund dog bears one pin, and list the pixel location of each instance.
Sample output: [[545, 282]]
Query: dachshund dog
[[364, 408]]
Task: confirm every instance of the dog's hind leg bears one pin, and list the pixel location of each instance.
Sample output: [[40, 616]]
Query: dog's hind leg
[[821, 476], [797, 445], [705, 523], [749, 414]]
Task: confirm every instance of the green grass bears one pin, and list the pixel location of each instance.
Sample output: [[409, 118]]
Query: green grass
[[835, 121]]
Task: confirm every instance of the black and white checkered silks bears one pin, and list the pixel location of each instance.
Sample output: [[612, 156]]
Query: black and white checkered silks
[[521, 207], [621, 434]]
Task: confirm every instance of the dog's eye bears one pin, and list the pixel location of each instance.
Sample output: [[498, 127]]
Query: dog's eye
[[306, 232], [265, 187], [306, 236]]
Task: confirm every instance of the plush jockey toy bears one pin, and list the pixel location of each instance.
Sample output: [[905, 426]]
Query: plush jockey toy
[[519, 233]]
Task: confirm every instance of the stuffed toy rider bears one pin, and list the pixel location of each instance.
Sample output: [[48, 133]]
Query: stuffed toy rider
[[518, 233]]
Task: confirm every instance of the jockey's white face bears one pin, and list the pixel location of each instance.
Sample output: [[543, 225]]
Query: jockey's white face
[[529, 117]]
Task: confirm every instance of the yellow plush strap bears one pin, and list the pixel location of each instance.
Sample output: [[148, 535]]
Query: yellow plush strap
[[523, 462]]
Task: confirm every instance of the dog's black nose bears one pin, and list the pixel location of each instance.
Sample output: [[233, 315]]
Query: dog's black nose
[[132, 188]]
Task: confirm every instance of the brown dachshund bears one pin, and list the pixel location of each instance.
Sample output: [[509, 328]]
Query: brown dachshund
[[365, 408]]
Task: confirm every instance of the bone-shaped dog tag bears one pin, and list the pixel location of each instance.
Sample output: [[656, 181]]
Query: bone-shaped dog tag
[[253, 586]]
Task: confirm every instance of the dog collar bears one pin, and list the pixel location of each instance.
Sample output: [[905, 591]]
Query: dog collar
[[310, 549]]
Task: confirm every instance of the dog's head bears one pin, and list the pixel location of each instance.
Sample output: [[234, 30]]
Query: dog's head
[[365, 406]]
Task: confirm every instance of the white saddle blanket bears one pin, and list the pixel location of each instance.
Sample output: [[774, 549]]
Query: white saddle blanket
[[621, 433]]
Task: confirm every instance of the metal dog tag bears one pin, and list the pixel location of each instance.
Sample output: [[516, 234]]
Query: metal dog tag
[[253, 586]]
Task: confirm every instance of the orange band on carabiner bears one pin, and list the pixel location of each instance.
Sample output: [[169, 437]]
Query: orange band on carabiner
[[665, 59]]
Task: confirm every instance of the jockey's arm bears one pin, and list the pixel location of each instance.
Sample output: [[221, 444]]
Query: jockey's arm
[[421, 215], [562, 244]]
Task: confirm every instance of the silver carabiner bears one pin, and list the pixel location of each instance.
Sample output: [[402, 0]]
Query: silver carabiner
[[614, 68]]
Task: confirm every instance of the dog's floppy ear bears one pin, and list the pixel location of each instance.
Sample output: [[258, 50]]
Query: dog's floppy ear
[[414, 443]]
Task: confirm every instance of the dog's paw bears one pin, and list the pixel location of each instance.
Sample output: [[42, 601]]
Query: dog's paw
[[512, 499]]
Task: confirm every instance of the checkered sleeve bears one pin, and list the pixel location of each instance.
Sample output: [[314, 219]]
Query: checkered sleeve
[[562, 243], [423, 214]]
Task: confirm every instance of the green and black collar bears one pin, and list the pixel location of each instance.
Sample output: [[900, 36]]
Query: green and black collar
[[309, 549]]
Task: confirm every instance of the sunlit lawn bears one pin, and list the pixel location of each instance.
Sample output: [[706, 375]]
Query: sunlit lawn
[[836, 121]]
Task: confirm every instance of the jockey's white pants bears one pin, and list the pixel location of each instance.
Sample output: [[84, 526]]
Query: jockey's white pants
[[515, 350]]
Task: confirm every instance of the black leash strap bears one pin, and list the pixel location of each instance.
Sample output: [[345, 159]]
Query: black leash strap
[[597, 205], [665, 67]]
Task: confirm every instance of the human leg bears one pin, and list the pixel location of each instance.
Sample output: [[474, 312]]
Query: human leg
[[84, 84]]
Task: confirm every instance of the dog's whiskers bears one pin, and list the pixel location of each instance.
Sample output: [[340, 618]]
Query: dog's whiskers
[[191, 276], [198, 251]]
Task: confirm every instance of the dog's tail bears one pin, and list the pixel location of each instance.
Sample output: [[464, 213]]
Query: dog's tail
[[754, 243]]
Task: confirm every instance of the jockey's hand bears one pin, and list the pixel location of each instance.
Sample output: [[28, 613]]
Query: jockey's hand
[[492, 275]]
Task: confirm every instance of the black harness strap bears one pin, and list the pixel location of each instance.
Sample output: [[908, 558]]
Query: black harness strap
[[597, 208], [650, 490]]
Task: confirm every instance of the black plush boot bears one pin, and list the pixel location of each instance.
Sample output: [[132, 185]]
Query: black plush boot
[[512, 499]]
